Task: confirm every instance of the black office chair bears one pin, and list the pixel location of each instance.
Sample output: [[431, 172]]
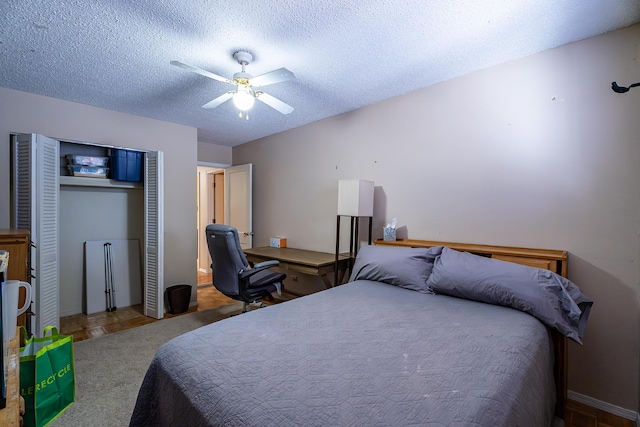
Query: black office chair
[[232, 274]]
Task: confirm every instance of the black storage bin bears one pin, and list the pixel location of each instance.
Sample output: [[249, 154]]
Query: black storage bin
[[178, 298]]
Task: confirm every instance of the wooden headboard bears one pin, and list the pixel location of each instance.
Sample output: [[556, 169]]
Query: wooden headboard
[[554, 260]]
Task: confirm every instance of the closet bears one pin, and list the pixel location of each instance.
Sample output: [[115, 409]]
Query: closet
[[62, 212]]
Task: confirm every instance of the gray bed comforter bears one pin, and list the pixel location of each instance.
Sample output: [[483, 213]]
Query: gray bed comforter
[[362, 354]]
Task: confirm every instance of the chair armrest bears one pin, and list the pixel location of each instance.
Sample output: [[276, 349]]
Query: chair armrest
[[257, 268], [267, 264]]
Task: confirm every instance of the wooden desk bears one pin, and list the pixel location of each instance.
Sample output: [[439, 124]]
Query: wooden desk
[[301, 261]]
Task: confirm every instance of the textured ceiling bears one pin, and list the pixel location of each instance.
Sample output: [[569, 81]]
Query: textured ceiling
[[115, 54]]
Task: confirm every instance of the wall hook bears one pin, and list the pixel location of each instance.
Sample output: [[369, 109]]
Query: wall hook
[[622, 89]]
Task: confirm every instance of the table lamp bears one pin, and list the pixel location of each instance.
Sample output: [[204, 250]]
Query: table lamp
[[355, 200]]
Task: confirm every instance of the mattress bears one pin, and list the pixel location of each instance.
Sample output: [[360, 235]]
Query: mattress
[[361, 354]]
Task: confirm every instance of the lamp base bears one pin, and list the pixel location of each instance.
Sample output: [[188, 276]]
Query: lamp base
[[353, 242]]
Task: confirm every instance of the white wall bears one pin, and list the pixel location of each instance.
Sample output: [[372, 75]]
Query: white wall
[[538, 152], [22, 112]]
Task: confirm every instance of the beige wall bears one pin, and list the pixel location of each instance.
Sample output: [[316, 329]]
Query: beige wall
[[213, 153], [22, 112], [539, 152]]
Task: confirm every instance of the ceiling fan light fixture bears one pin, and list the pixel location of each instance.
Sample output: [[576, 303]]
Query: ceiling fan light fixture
[[244, 95], [244, 98]]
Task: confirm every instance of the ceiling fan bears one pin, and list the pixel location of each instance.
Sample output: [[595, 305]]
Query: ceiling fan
[[245, 92]]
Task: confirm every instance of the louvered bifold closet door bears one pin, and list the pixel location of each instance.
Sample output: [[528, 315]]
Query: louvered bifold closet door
[[154, 235], [36, 187], [24, 161]]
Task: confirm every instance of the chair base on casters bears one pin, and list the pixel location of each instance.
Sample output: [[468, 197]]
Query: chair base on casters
[[256, 303]]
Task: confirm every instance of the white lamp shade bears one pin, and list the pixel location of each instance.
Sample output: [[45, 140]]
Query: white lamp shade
[[355, 197], [243, 98]]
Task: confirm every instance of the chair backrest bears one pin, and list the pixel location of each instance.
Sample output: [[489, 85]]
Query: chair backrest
[[227, 256]]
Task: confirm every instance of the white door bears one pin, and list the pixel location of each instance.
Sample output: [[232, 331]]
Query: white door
[[154, 235], [237, 202], [36, 178]]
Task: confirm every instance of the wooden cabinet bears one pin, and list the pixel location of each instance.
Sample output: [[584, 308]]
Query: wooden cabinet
[[10, 415], [17, 243]]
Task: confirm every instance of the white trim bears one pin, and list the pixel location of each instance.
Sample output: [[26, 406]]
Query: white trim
[[214, 165], [604, 406]]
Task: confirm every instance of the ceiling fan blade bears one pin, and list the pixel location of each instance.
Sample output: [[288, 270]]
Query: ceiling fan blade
[[201, 72], [275, 76], [274, 103], [219, 100]]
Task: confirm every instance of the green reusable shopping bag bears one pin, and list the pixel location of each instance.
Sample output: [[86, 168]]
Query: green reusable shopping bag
[[46, 377]]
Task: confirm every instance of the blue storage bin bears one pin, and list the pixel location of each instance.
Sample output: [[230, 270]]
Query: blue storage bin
[[126, 165]]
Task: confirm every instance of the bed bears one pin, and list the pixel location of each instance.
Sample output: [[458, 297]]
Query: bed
[[385, 349]]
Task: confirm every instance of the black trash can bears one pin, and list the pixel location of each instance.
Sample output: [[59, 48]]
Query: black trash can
[[178, 298]]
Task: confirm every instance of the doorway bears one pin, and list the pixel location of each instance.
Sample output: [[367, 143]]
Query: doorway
[[223, 196], [209, 210]]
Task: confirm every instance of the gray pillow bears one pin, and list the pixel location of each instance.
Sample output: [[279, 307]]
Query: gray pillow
[[551, 298], [405, 267]]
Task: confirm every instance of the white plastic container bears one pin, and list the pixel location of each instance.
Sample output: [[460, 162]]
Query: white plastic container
[[88, 171], [75, 159]]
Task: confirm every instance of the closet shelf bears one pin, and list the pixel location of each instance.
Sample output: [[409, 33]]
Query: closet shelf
[[97, 182]]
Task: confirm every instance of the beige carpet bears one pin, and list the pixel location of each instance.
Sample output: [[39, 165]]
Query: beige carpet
[[110, 369]]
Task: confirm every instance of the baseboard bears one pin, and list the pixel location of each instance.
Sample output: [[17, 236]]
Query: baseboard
[[604, 406]]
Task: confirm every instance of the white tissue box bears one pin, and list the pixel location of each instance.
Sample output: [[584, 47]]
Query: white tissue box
[[278, 242]]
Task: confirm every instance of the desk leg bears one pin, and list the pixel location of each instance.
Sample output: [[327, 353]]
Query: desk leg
[[339, 277], [335, 267], [327, 282]]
